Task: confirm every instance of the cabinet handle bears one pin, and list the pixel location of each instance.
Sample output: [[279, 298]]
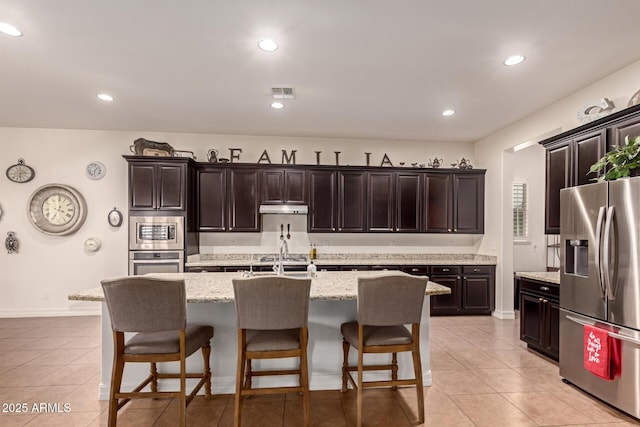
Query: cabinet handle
[[540, 299], [476, 270], [414, 269], [464, 277], [449, 230], [455, 229], [445, 269], [459, 277], [544, 288]]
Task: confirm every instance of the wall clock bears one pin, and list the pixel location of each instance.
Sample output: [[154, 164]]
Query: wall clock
[[20, 172], [92, 244], [95, 170], [57, 209], [115, 218]]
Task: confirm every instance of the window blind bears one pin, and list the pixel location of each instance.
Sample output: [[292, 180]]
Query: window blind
[[519, 193]]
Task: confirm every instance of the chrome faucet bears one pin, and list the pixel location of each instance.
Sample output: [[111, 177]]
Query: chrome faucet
[[283, 253]]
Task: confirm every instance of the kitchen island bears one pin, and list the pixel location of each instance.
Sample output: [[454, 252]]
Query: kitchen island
[[210, 301]]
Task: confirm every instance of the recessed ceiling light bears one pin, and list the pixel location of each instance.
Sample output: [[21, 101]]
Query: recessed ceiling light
[[448, 112], [268, 45], [9, 30], [513, 60], [105, 97], [277, 105]]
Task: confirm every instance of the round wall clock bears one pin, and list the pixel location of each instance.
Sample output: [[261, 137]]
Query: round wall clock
[[115, 218], [20, 172], [95, 170], [57, 209]]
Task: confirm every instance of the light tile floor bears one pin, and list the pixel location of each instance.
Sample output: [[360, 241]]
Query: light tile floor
[[483, 375]]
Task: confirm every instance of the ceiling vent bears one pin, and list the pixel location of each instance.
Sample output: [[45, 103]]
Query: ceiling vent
[[282, 93]]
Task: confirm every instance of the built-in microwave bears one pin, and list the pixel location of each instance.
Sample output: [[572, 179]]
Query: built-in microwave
[[156, 233]]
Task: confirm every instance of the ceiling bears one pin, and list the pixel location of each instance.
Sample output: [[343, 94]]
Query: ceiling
[[360, 68]]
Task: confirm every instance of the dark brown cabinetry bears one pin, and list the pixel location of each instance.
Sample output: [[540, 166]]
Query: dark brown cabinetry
[[352, 200], [472, 290], [244, 199], [212, 197], [323, 212], [283, 186], [454, 203], [539, 316], [408, 204], [567, 164], [155, 185], [380, 201]]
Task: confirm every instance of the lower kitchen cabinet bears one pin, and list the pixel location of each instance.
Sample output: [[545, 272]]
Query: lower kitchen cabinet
[[539, 316], [472, 290]]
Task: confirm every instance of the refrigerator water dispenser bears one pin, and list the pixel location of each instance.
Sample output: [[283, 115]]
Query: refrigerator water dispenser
[[577, 253]]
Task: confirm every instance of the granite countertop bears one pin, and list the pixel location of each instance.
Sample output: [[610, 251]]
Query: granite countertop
[[217, 287], [215, 260], [543, 276]]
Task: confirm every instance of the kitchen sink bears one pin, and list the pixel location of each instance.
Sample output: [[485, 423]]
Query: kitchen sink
[[288, 258], [286, 274]]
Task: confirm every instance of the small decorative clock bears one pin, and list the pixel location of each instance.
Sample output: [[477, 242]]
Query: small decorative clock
[[115, 218], [92, 244], [20, 172], [95, 170], [57, 209]]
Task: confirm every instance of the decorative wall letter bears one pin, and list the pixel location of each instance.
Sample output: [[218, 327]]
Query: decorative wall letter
[[386, 161], [337, 158], [368, 157], [318, 157], [264, 157], [289, 159], [234, 154]]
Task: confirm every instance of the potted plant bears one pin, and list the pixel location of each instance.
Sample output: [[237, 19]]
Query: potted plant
[[620, 162]]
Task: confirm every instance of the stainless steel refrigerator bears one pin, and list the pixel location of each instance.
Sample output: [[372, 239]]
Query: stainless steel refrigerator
[[600, 284]]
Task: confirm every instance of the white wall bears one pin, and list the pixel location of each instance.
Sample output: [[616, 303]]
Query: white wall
[[492, 152], [528, 167], [37, 280]]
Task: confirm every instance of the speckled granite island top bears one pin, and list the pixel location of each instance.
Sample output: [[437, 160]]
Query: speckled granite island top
[[217, 287], [543, 276], [213, 260]]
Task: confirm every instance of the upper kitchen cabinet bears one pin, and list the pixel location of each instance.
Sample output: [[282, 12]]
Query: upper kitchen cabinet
[[454, 202], [393, 201], [323, 200], [244, 199], [158, 185], [567, 164], [352, 201], [212, 199], [284, 186], [570, 155]]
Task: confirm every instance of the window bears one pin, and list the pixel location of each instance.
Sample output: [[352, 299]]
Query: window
[[520, 217]]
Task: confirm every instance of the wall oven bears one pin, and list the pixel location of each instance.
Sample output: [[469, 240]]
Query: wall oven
[[144, 262], [156, 233]]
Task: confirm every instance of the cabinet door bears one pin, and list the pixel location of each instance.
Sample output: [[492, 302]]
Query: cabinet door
[[295, 186], [408, 202], [476, 294], [623, 129], [558, 176], [352, 201], [552, 332], [380, 201], [322, 201], [468, 203], [212, 200], [272, 186], [142, 186], [531, 317], [446, 304], [438, 195], [171, 186], [244, 200], [587, 150]]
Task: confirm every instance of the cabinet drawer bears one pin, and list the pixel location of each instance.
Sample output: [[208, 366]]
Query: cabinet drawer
[[550, 290], [418, 270], [476, 269], [446, 270]]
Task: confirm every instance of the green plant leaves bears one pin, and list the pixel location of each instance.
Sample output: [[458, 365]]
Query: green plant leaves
[[618, 162]]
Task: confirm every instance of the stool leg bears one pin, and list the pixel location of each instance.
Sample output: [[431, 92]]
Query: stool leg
[[239, 378], [153, 371], [304, 376], [345, 365], [394, 369], [206, 353], [116, 376], [417, 368]]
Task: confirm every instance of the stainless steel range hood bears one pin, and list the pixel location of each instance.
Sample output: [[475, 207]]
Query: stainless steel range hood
[[284, 209]]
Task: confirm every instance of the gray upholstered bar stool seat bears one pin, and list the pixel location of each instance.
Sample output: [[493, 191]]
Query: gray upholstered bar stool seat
[[272, 323], [156, 310], [385, 305]]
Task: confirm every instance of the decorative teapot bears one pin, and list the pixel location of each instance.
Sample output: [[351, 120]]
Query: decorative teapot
[[212, 155], [465, 164], [435, 163]]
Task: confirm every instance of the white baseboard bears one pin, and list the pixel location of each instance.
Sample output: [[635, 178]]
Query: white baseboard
[[49, 312], [504, 315], [227, 384]]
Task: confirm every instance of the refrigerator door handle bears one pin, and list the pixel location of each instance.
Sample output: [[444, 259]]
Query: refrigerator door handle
[[624, 338], [598, 249], [607, 255], [581, 322]]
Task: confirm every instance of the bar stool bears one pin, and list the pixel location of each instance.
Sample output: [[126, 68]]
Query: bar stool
[[272, 323], [385, 305], [157, 311]]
